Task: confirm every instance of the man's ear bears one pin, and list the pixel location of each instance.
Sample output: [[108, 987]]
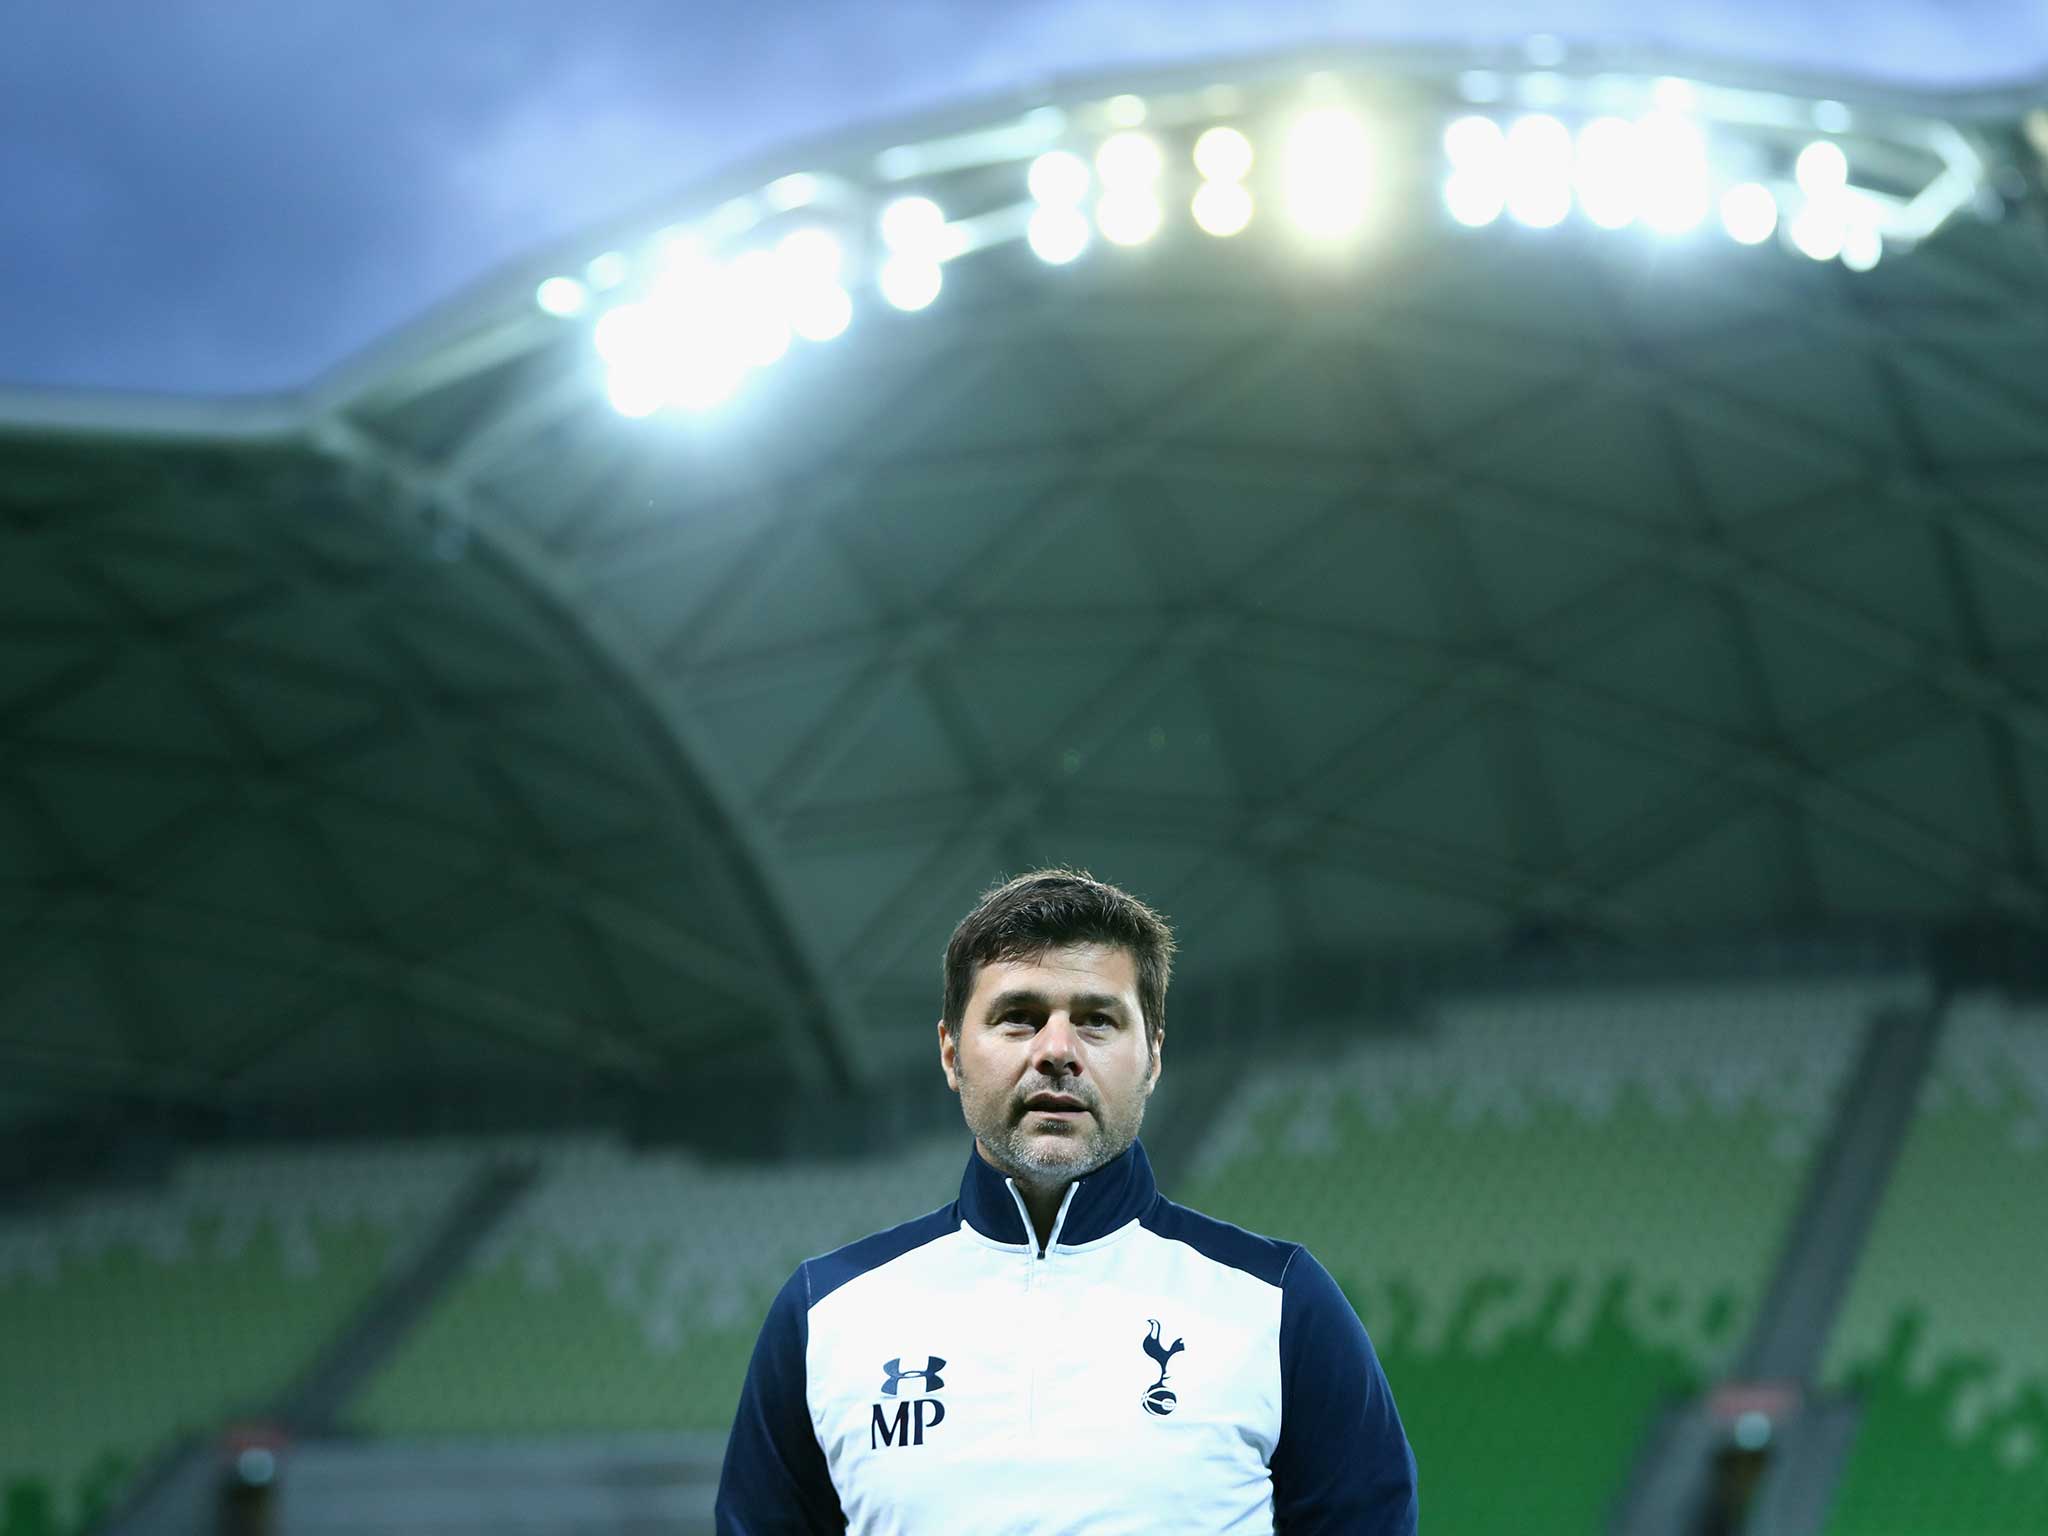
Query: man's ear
[[947, 1053], [1158, 1059]]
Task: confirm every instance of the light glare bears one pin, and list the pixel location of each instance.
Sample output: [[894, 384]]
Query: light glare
[[606, 271], [1059, 179], [809, 256], [1128, 162], [1675, 194], [634, 393], [914, 226], [1749, 213], [1609, 172], [754, 317], [562, 296], [618, 332], [819, 314], [1540, 204], [1475, 198], [796, 191], [1822, 168], [1223, 154], [1475, 143], [1327, 171], [910, 282], [1862, 247], [1817, 229], [701, 328], [1539, 171], [1128, 218], [1125, 111], [1222, 208], [1057, 233]]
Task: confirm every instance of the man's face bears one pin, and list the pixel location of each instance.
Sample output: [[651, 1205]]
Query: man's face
[[1066, 1026]]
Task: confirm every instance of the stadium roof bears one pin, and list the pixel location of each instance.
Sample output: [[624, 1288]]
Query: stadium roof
[[1443, 586]]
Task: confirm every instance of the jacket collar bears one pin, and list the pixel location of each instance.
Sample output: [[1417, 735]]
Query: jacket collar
[[1114, 1195]]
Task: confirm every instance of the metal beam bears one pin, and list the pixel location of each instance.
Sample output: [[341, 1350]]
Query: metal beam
[[698, 782]]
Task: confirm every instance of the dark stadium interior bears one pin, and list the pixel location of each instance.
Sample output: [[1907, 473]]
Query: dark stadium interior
[[477, 846]]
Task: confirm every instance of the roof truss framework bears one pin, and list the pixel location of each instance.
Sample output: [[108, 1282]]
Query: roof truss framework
[[1392, 578]]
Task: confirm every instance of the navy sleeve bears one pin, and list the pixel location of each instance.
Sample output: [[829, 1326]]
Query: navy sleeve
[[1343, 1462], [775, 1481]]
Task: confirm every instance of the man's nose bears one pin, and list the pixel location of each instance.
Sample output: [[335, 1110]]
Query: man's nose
[[1052, 1048]]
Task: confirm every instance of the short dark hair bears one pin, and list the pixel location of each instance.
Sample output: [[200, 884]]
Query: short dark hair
[[1021, 918]]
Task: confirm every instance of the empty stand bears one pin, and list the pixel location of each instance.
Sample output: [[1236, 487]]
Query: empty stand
[[129, 1321], [1945, 1330], [625, 1291], [1554, 1212]]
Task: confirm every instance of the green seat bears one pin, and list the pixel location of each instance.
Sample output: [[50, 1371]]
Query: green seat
[[1945, 1330], [130, 1322], [1553, 1216]]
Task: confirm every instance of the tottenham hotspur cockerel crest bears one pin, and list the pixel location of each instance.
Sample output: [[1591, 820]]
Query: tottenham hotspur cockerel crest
[[1157, 1399]]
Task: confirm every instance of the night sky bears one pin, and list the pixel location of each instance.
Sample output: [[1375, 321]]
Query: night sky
[[227, 196]]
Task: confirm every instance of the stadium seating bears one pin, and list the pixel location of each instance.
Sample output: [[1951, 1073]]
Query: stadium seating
[[130, 1320], [1552, 1213], [1945, 1331], [625, 1291]]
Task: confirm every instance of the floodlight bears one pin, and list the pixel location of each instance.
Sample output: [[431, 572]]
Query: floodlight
[[914, 226], [1819, 230], [635, 392], [1472, 143], [1821, 168], [1059, 178], [1675, 95], [1223, 154], [1222, 208], [808, 256], [1675, 192], [1125, 111], [619, 332], [1862, 246], [1057, 233], [562, 296], [1128, 218], [819, 314], [1610, 172], [791, 192], [1540, 204], [1476, 198], [606, 271], [1749, 213], [1539, 171], [1129, 162], [753, 319], [910, 282], [1328, 168]]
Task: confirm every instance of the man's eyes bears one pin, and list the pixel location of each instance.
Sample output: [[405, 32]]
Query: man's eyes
[[1032, 1020]]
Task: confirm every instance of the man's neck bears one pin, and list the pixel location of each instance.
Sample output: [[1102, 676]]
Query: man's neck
[[1044, 1205], [1041, 1200]]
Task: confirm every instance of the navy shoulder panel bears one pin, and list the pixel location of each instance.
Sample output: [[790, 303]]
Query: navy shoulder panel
[[1265, 1257], [829, 1272]]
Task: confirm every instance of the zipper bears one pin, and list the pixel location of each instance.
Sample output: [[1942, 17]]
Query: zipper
[[1034, 1256]]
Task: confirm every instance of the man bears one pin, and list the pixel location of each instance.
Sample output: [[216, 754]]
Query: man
[[1062, 1348]]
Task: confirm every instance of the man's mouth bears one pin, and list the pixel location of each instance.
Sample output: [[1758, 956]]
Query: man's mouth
[[1054, 1104]]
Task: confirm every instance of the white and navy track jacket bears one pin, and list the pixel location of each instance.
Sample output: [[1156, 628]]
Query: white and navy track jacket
[[1152, 1369]]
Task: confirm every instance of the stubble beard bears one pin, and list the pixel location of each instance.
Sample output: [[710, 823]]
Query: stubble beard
[[1018, 1145]]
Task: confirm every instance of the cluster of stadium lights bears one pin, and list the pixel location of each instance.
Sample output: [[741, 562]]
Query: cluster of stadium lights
[[699, 326]]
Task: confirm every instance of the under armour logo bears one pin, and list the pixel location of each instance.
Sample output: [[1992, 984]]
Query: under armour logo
[[906, 1428], [1157, 1399], [894, 1375]]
